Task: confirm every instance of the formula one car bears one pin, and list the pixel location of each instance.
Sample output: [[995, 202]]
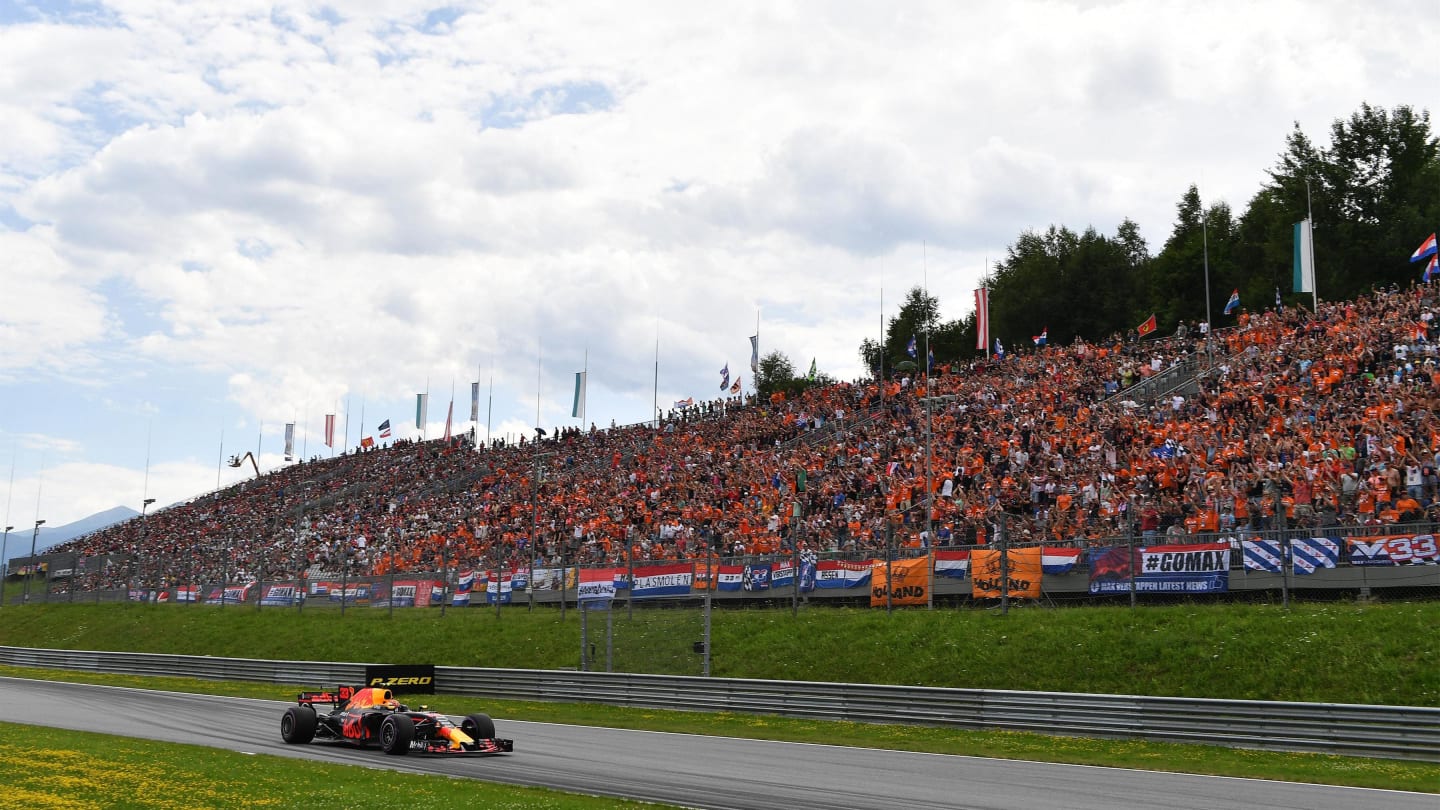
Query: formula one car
[[372, 716]]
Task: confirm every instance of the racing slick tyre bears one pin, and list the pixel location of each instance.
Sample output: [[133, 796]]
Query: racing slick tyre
[[298, 725], [396, 733], [478, 726]]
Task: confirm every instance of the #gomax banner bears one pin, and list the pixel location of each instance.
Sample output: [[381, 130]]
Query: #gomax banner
[[1184, 568], [1020, 577]]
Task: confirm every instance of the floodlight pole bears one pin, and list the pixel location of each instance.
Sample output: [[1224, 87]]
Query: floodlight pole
[[31, 575], [4, 564]]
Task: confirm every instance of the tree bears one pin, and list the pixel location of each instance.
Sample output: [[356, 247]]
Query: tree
[[776, 374]]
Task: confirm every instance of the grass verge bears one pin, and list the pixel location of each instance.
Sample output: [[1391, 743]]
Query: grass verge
[[1317, 768], [70, 769]]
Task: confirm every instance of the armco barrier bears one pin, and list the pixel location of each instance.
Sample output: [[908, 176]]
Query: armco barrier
[[1399, 732]]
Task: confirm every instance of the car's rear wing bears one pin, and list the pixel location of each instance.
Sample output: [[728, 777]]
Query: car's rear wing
[[335, 698]]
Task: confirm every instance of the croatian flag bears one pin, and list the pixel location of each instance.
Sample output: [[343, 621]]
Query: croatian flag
[[385, 429], [1433, 268], [952, 564], [1427, 248], [1234, 302], [1059, 560], [1041, 338]]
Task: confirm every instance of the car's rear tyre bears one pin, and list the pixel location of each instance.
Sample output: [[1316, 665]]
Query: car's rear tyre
[[478, 726], [298, 725], [396, 734]]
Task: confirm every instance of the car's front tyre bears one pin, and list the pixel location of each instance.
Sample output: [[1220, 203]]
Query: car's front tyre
[[298, 725], [396, 734], [478, 726]]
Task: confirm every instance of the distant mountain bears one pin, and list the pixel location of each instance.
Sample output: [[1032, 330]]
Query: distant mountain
[[19, 544]]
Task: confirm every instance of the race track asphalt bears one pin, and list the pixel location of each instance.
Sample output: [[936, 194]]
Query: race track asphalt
[[690, 770]]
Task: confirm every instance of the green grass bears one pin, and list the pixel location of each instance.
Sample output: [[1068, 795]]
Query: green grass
[[71, 769], [1352, 771], [1333, 652]]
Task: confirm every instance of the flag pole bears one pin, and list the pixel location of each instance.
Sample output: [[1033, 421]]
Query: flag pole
[[1205, 247], [362, 417], [539, 352], [490, 399], [346, 445], [655, 399], [1310, 237], [220, 459], [586, 382], [929, 453]]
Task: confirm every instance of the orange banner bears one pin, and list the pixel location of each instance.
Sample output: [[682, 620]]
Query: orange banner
[[911, 582], [1025, 571]]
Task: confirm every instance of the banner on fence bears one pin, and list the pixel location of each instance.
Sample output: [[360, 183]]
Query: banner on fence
[[1188, 568], [662, 580], [351, 593], [755, 577], [842, 573], [1405, 549], [285, 594], [1307, 554], [1056, 560], [187, 593], [499, 587], [904, 582], [954, 564], [596, 585], [1024, 573], [464, 585], [782, 574], [406, 593], [729, 577], [520, 578]]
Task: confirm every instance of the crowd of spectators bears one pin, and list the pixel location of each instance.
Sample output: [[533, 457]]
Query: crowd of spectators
[[1290, 418]]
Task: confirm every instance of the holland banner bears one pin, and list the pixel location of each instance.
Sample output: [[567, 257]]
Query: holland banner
[[422, 404], [577, 405], [330, 430], [1234, 302]]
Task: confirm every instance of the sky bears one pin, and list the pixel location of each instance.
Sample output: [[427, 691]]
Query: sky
[[217, 218]]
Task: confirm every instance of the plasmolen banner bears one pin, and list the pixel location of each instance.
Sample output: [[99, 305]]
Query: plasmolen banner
[[662, 580], [285, 594]]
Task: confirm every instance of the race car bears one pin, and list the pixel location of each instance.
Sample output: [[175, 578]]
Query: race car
[[373, 716]]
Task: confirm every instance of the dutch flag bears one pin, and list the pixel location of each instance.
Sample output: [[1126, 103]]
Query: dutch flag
[[1234, 302]]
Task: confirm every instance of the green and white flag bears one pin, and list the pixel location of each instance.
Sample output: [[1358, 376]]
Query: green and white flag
[[577, 407], [1304, 265]]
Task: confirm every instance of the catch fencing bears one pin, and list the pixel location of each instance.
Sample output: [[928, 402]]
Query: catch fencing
[[1397, 732]]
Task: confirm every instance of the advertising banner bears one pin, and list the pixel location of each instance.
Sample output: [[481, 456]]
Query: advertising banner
[[1405, 549], [1185, 568]]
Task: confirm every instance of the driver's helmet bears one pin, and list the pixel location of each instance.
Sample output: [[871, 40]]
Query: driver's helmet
[[391, 704]]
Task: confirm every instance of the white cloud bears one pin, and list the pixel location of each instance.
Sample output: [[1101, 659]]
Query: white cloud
[[293, 203]]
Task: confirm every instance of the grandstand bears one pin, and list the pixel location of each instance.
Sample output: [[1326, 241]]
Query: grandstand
[[1319, 421]]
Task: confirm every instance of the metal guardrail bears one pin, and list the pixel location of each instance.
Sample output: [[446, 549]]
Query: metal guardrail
[[1396, 732]]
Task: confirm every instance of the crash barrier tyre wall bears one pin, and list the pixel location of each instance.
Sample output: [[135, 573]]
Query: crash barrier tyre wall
[[1399, 732]]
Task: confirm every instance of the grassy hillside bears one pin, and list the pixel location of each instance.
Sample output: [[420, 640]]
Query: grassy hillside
[[1340, 652]]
